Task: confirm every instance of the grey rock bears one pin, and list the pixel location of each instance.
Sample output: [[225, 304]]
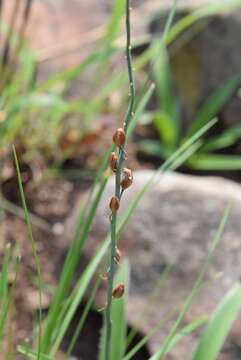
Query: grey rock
[[174, 225]]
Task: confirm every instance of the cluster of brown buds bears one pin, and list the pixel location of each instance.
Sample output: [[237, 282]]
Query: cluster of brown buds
[[126, 181], [119, 138]]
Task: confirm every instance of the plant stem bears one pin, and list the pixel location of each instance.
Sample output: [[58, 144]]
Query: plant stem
[[121, 159]]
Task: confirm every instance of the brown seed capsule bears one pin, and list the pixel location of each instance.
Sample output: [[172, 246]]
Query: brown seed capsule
[[118, 291], [117, 257], [127, 178], [113, 161], [119, 137], [114, 204]]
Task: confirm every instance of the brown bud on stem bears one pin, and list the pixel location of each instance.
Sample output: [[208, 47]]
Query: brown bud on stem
[[113, 161], [119, 137], [118, 291], [114, 204], [117, 256], [127, 178]]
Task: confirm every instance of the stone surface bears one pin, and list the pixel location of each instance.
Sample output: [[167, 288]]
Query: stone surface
[[174, 224]]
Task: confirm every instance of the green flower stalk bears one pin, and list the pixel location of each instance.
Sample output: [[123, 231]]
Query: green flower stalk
[[121, 182]]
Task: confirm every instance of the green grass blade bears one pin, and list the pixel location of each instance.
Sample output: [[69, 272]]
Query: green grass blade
[[167, 129], [6, 303], [69, 268], [215, 103], [33, 245], [226, 138], [30, 354], [83, 318], [169, 20], [185, 331], [81, 287], [168, 125], [155, 148], [215, 162], [162, 351], [4, 295], [118, 338], [4, 273], [219, 326], [113, 27]]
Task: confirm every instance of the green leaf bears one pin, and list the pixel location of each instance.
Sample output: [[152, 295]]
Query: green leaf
[[215, 162], [214, 104], [167, 100], [4, 293], [226, 138], [185, 331], [69, 267], [119, 329], [83, 318], [33, 247], [219, 326], [24, 350], [113, 27], [164, 125], [154, 148]]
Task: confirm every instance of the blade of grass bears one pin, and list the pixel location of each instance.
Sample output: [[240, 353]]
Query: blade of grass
[[118, 311], [118, 337], [4, 296], [185, 331], [168, 120], [227, 138], [215, 103], [82, 319], [69, 268], [113, 27], [178, 337], [34, 249], [8, 298], [32, 354], [215, 162], [219, 326]]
